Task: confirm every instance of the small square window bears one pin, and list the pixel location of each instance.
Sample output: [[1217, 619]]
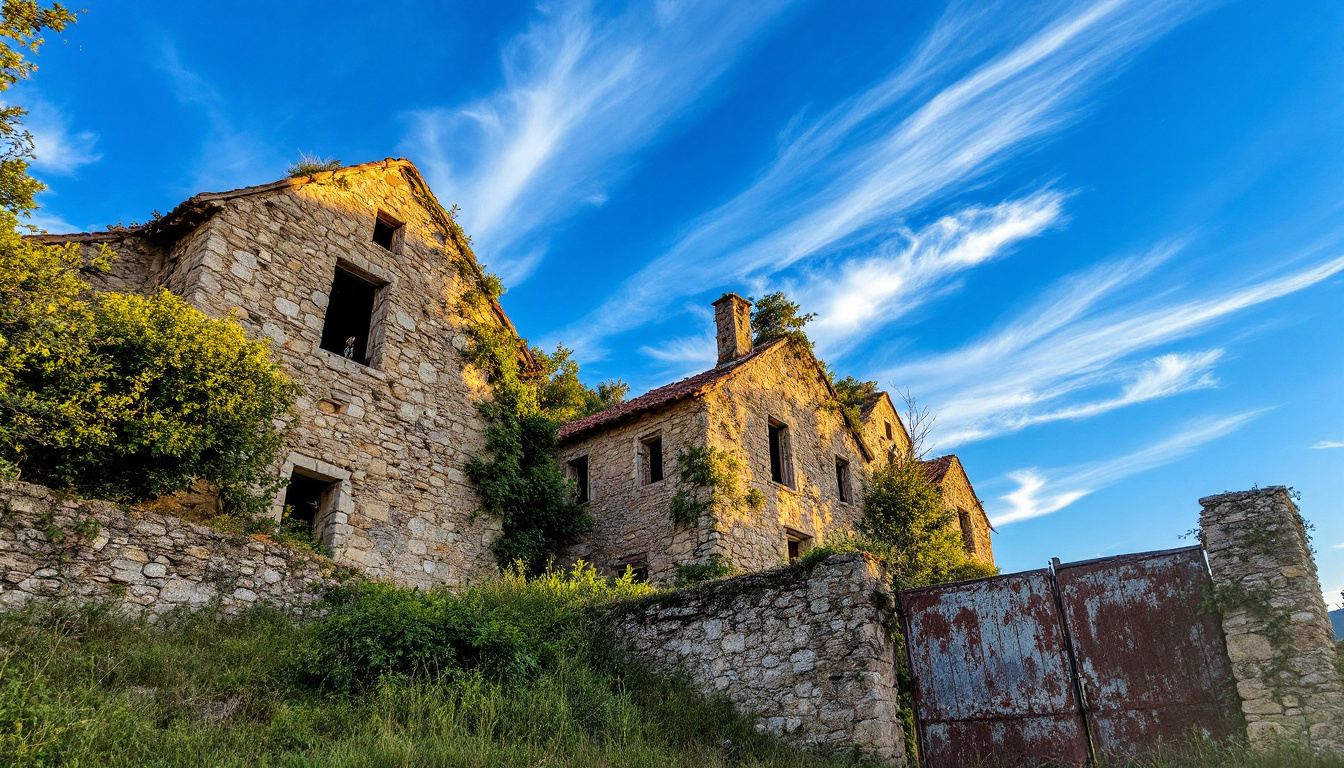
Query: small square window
[[651, 459], [387, 232], [578, 471], [637, 565], [781, 455], [842, 480], [796, 543], [307, 500], [349, 321]]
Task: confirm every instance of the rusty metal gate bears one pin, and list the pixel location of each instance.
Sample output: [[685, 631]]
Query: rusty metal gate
[[1098, 658]]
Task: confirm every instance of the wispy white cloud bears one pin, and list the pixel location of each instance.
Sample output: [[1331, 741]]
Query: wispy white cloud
[[1327, 444], [850, 177], [48, 221], [1049, 363], [1040, 492], [581, 93], [57, 148], [231, 156]]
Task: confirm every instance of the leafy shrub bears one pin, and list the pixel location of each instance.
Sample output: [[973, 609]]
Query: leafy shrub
[[130, 397], [309, 165], [714, 470]]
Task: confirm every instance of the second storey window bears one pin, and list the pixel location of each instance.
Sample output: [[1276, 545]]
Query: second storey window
[[651, 459], [888, 425], [781, 455], [967, 531], [578, 470], [349, 321], [842, 480], [387, 232]]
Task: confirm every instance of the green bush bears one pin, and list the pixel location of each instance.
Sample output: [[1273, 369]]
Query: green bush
[[130, 397], [690, 574]]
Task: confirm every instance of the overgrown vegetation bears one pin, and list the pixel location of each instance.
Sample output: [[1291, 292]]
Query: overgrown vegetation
[[701, 469], [717, 567], [508, 674], [773, 316], [311, 165]]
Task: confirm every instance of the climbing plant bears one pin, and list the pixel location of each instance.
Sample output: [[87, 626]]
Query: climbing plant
[[717, 471]]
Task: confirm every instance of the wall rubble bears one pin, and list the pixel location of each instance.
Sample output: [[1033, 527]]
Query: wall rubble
[[149, 563], [1278, 631], [805, 650]]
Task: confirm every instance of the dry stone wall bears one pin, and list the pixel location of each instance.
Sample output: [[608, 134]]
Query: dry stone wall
[[1279, 638], [804, 650], [149, 563]]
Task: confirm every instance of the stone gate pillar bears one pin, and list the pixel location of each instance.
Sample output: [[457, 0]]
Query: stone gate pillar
[[1278, 631]]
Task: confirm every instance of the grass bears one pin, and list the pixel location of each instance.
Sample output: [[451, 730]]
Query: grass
[[89, 688]]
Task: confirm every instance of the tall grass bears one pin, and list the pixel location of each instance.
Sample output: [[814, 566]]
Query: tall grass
[[89, 688]]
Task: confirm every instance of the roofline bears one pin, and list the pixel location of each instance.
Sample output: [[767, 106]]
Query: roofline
[[186, 216], [706, 388], [956, 462]]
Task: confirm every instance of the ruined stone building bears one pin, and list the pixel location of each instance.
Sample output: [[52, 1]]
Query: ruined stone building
[[799, 466], [355, 276]]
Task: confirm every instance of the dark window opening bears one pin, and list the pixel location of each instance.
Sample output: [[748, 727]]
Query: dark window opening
[[304, 498], [651, 459], [967, 531], [349, 316], [780, 468], [888, 424], [385, 231], [796, 543], [639, 569], [578, 469], [842, 479]]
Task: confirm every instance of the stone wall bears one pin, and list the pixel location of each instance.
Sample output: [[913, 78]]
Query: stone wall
[[971, 521], [783, 384], [805, 651], [633, 520], [51, 547], [395, 434], [1278, 630]]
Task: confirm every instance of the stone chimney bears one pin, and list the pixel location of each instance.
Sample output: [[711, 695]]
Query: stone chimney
[[732, 315]]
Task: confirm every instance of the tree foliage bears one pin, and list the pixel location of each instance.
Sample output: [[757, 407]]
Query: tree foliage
[[129, 397], [563, 395], [22, 23], [774, 316], [906, 521]]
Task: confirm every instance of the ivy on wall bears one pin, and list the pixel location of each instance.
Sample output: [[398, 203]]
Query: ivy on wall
[[700, 469]]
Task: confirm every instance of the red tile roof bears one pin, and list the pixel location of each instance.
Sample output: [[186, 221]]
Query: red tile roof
[[937, 468], [694, 386]]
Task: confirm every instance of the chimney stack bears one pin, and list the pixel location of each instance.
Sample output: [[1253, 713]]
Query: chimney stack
[[732, 315]]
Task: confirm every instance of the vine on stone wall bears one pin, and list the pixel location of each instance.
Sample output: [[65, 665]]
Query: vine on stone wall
[[700, 469]]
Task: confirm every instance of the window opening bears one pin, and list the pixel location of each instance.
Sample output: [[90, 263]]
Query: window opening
[[578, 469], [842, 479], [781, 470], [796, 543], [888, 425], [349, 320], [967, 531], [305, 498], [638, 565], [386, 232], [651, 459]]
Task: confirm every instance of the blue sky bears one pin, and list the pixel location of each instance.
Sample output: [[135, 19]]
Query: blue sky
[[1104, 241]]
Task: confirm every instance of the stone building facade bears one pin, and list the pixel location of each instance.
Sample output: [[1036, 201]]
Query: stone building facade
[[800, 468], [356, 277], [950, 476]]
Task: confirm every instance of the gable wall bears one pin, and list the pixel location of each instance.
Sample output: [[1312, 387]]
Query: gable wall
[[783, 384], [397, 433], [875, 432], [957, 492]]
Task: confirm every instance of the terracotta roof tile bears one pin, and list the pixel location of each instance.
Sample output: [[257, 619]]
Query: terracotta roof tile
[[689, 387], [937, 468]]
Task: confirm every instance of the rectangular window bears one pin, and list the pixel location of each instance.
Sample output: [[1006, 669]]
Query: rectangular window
[[387, 232], [781, 468], [967, 531], [306, 500], [842, 480], [578, 470], [796, 543], [349, 321], [638, 565], [651, 460], [888, 425]]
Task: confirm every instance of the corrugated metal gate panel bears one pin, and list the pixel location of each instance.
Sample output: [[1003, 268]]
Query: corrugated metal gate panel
[[1152, 667], [992, 672]]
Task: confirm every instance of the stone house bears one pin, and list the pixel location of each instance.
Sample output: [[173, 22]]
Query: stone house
[[949, 475], [356, 276], [800, 467]]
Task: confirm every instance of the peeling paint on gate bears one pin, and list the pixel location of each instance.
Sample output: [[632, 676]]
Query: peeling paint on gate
[[993, 682], [999, 663]]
